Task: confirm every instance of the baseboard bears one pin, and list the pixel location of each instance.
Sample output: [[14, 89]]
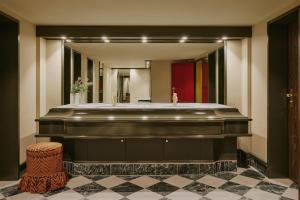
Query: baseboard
[[22, 169], [75, 168], [245, 159]]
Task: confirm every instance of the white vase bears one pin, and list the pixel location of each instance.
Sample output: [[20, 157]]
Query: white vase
[[83, 97], [72, 98], [77, 98]]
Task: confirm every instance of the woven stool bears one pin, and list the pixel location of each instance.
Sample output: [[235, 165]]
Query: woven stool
[[45, 170]]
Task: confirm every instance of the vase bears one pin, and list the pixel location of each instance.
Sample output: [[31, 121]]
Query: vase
[[83, 97], [77, 98]]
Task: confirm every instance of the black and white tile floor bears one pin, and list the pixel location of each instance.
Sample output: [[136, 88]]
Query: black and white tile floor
[[245, 184]]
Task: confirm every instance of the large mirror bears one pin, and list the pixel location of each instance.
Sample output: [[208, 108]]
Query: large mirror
[[144, 72]]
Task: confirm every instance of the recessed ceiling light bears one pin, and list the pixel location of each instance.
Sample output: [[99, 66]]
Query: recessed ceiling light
[[104, 38], [224, 38], [68, 40], [144, 39], [184, 38], [63, 37], [219, 41]]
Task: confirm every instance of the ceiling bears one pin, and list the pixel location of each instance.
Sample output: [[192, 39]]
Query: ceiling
[[144, 12], [133, 55]]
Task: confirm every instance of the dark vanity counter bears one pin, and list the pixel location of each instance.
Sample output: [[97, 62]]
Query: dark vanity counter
[[143, 121], [145, 132]]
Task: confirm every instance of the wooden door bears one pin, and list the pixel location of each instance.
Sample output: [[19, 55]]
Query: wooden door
[[183, 81], [292, 99]]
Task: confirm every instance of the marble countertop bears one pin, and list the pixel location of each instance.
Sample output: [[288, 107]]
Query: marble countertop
[[146, 106]]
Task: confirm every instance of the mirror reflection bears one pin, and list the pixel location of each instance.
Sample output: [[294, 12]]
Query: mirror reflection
[[144, 72]]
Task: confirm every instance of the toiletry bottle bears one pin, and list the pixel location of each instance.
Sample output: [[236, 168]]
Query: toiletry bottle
[[114, 100], [174, 99]]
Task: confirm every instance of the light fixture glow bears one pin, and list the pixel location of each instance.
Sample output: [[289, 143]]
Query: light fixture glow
[[106, 41], [147, 64], [183, 39], [111, 117], [63, 37], [219, 41], [104, 38], [144, 39], [177, 117], [200, 113], [68, 40], [224, 38], [145, 117]]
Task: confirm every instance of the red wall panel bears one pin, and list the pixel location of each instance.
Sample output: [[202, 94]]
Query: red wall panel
[[183, 80]]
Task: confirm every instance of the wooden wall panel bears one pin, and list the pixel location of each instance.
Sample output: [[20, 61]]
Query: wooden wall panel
[[212, 78], [77, 65], [90, 79], [67, 75]]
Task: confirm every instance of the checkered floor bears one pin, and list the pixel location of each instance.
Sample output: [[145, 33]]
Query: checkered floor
[[241, 185]]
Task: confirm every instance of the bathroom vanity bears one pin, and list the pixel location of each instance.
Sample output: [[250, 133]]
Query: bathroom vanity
[[146, 132]]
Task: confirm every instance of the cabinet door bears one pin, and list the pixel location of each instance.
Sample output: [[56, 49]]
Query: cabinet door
[[144, 149], [106, 150], [188, 149]]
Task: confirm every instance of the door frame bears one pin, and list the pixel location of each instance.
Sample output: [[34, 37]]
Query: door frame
[[277, 133]]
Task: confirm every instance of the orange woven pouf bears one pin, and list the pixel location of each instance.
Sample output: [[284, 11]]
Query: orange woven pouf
[[44, 170]]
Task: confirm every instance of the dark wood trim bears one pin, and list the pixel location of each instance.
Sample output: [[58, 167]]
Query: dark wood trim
[[76, 65], [298, 93], [22, 169], [245, 159], [282, 17], [90, 72], [132, 32], [67, 75], [221, 76], [9, 17], [212, 77], [9, 123]]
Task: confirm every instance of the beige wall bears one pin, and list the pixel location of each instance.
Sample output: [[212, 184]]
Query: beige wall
[[238, 81], [160, 81], [27, 74], [233, 73], [41, 77], [27, 86], [95, 81], [53, 73], [139, 85]]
